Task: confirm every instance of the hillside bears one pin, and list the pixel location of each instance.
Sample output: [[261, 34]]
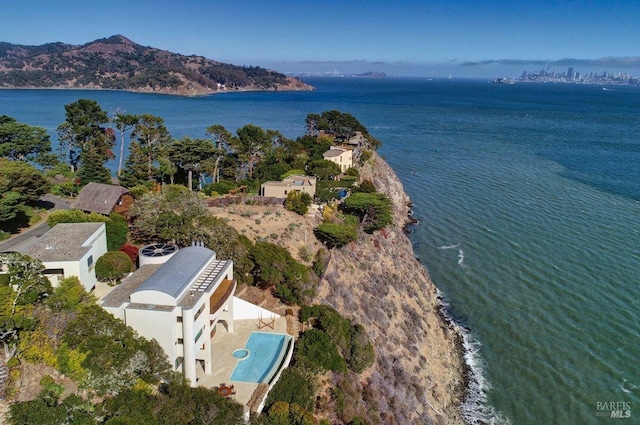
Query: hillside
[[118, 63], [419, 371]]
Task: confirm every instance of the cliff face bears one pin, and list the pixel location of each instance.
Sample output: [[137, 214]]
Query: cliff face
[[418, 375]]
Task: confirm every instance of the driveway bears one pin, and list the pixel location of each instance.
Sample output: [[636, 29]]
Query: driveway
[[51, 203]]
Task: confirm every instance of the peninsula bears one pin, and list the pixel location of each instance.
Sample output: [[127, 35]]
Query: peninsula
[[117, 63]]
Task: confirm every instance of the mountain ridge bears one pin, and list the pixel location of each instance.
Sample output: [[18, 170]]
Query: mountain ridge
[[117, 63]]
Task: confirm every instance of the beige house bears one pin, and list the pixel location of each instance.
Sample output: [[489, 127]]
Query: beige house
[[341, 156], [280, 189]]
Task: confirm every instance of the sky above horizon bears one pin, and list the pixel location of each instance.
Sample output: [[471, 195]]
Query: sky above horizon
[[406, 38]]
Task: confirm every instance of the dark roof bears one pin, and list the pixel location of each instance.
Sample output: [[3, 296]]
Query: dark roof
[[98, 197], [174, 275]]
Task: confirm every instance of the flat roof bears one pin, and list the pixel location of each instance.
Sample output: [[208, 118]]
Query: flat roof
[[121, 293], [63, 242]]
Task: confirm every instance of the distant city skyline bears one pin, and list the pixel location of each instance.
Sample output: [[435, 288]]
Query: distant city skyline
[[401, 38]]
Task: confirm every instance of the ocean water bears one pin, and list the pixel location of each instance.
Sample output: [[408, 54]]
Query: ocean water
[[528, 197]]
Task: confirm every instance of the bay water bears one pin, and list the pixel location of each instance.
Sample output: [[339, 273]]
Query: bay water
[[528, 197]]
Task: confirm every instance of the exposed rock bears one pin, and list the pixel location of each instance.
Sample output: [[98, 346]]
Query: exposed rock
[[419, 371]]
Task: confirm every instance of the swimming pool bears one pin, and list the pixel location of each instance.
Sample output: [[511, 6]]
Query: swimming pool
[[265, 354]]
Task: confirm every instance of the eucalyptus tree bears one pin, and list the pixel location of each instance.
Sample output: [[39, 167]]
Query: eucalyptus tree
[[124, 122], [222, 140]]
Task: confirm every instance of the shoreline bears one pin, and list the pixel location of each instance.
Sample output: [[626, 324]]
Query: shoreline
[[177, 93], [420, 373]]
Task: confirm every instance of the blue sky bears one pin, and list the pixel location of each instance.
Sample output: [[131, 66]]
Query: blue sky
[[481, 38]]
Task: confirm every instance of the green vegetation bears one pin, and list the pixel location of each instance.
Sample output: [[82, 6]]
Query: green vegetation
[[298, 202], [117, 63], [373, 210], [21, 185], [275, 266], [85, 140], [113, 266], [351, 339], [116, 226], [336, 235]]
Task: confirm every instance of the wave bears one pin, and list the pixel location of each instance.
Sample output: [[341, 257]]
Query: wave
[[475, 409], [461, 257], [449, 246]]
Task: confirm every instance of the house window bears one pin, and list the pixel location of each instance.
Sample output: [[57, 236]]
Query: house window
[[179, 319], [198, 313], [179, 361], [180, 341], [198, 335], [90, 262]]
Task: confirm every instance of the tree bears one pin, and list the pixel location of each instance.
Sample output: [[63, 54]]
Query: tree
[[116, 225], [189, 154], [21, 184], [173, 214], [136, 171], [373, 209], [83, 129], [113, 266], [68, 295], [152, 135], [250, 145], [23, 142], [324, 169], [274, 266], [298, 202], [124, 122], [92, 167], [222, 141], [26, 278], [336, 235]]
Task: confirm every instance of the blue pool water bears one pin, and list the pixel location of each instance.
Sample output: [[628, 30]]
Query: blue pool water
[[266, 351]]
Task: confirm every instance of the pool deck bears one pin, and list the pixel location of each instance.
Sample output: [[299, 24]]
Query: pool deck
[[223, 344]]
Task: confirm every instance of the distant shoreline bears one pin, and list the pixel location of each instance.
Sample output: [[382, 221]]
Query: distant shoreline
[[196, 93]]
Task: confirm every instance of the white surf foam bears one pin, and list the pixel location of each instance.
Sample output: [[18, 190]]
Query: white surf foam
[[461, 257], [475, 409], [449, 246]]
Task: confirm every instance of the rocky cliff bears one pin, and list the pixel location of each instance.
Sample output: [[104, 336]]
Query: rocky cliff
[[419, 372]]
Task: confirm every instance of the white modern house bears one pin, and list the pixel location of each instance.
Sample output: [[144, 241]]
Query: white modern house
[[179, 303], [341, 156], [69, 249]]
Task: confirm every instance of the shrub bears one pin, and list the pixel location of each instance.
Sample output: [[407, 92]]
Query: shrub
[[294, 386], [113, 266], [366, 186], [298, 202], [336, 235], [131, 251], [352, 172], [373, 209], [222, 187], [317, 349]]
